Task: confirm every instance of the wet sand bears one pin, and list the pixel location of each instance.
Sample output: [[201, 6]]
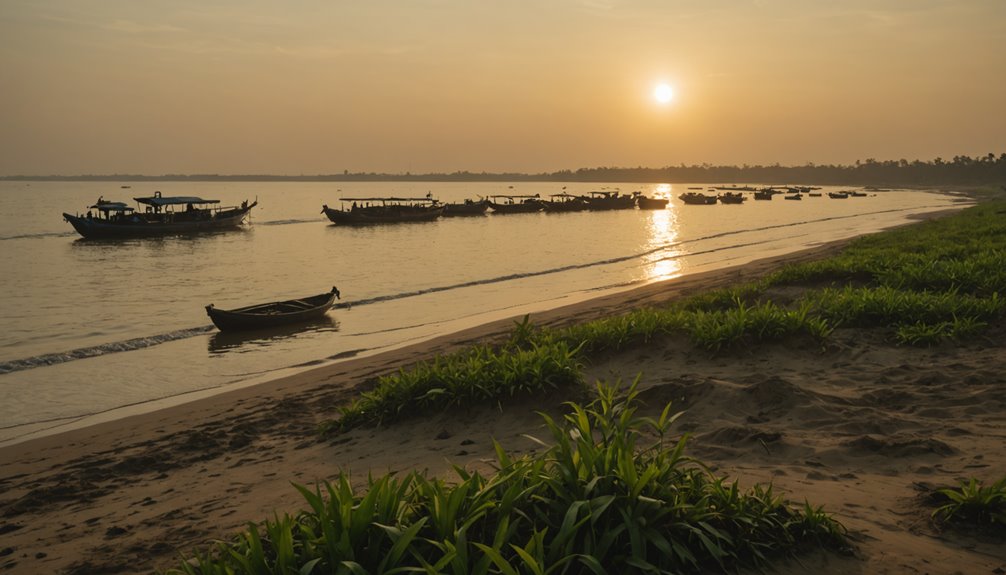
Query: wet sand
[[865, 428]]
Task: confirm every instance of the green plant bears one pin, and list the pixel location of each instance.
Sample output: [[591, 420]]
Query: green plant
[[974, 503]]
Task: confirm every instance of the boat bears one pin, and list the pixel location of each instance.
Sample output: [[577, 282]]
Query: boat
[[855, 194], [610, 200], [357, 211], [467, 208], [735, 188], [272, 314], [647, 203], [565, 202], [793, 197], [838, 195], [509, 204], [765, 194], [161, 216], [697, 199], [732, 198]]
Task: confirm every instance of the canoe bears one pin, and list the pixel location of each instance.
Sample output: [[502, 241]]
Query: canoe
[[265, 315]]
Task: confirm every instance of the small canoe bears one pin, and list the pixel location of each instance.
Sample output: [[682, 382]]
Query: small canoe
[[265, 315]]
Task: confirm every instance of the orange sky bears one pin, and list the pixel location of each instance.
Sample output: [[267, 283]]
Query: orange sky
[[322, 86]]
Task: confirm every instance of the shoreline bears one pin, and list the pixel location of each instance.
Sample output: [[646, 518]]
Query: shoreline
[[839, 428], [586, 309]]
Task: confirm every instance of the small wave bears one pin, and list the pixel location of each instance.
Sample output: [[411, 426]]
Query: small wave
[[287, 222], [97, 350], [37, 236]]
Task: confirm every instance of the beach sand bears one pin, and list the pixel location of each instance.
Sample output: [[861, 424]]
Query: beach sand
[[865, 428]]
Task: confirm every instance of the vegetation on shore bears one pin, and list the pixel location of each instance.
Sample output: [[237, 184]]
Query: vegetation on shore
[[973, 504], [929, 283], [959, 170], [597, 499], [610, 494]]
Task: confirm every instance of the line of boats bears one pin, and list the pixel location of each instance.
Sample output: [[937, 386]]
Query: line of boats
[[159, 215], [393, 209], [734, 194]]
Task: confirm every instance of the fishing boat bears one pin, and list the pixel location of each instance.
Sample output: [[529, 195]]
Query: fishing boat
[[647, 203], [508, 204], [838, 195], [793, 197], [764, 194], [565, 202], [466, 208], [162, 215], [697, 199], [732, 198], [272, 314], [610, 200], [357, 211]]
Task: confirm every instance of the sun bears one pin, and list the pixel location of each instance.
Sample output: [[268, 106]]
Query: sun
[[663, 93]]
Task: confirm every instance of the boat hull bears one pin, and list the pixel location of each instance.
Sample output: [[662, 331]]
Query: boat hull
[[466, 209], [139, 227], [372, 216], [272, 314]]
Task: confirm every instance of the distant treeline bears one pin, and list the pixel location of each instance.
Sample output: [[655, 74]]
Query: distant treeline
[[987, 169]]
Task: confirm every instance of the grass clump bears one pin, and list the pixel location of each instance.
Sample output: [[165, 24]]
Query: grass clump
[[479, 374], [611, 493], [974, 504]]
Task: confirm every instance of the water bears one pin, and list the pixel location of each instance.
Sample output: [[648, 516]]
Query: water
[[92, 326]]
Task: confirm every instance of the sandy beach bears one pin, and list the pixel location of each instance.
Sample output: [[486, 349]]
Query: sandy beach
[[865, 428]]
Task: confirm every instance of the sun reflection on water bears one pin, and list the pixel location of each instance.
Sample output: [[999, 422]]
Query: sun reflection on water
[[662, 263]]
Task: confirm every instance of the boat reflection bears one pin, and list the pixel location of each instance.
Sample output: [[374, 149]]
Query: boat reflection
[[244, 341], [662, 261]]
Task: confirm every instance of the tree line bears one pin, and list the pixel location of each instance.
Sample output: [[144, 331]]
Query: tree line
[[987, 169]]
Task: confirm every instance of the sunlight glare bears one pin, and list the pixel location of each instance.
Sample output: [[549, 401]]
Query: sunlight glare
[[663, 93]]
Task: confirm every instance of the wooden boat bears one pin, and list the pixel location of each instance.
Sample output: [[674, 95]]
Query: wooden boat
[[732, 198], [697, 199], [765, 194], [605, 200], [565, 202], [855, 194], [507, 204], [647, 203], [384, 210], [838, 195], [265, 315], [161, 216], [793, 197], [466, 208]]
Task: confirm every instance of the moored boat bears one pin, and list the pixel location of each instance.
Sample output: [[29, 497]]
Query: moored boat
[[508, 204], [161, 216], [466, 208], [565, 202], [793, 197], [764, 194], [647, 203], [384, 210], [610, 200], [732, 198], [272, 314], [697, 199], [838, 195]]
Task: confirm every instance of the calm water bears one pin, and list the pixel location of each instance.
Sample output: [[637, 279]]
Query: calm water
[[92, 326]]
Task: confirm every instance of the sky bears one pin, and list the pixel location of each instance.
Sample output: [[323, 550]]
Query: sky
[[436, 86]]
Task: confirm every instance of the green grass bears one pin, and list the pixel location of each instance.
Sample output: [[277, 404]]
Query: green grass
[[923, 285], [612, 492], [974, 504]]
